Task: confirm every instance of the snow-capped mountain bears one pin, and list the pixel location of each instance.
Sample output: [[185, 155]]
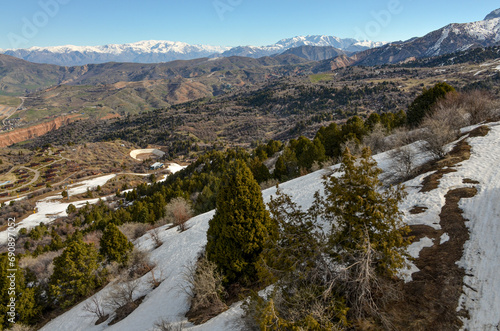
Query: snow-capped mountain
[[347, 44], [163, 51], [493, 14], [150, 51], [449, 39]]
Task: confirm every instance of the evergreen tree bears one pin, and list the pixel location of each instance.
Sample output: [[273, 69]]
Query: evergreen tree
[[422, 105], [115, 245], [13, 285], [240, 227], [364, 215], [75, 273]]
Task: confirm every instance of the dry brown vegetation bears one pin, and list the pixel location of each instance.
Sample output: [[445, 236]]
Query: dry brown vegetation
[[205, 291]]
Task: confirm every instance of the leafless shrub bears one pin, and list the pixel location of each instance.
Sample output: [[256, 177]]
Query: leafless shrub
[[121, 294], [178, 212], [42, 265], [139, 263], [166, 325], [268, 183], [354, 145], [156, 280], [402, 163], [204, 288], [93, 238], [437, 134], [451, 110], [376, 139], [95, 307], [155, 235], [480, 105], [134, 230], [402, 137]]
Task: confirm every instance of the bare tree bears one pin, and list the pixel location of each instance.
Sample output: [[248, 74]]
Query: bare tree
[[376, 139], [95, 307], [121, 294], [179, 211], [402, 162], [155, 235], [204, 286]]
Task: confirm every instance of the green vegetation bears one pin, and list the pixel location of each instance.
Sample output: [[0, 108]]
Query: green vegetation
[[320, 77], [240, 227], [75, 275], [421, 106], [114, 245], [14, 285], [9, 101], [342, 278]]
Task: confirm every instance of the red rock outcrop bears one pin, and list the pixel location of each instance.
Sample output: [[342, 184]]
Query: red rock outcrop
[[18, 135]]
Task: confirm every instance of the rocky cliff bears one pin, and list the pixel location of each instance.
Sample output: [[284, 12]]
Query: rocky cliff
[[18, 135]]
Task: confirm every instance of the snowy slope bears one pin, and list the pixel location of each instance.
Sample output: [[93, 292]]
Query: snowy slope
[[480, 256]]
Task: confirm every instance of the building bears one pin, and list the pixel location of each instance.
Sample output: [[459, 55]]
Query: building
[[156, 166]]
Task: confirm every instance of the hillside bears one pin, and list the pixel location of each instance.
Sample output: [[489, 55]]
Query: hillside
[[474, 181], [449, 39]]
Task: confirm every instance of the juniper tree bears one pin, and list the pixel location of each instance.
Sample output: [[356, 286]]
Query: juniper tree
[[364, 214], [333, 279], [240, 227], [75, 273], [115, 245]]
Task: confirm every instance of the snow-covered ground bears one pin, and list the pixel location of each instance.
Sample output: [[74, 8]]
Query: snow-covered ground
[[53, 207], [480, 257]]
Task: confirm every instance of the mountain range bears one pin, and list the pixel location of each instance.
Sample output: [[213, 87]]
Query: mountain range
[[153, 51], [449, 39]]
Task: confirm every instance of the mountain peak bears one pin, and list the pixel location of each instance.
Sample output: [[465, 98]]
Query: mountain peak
[[493, 14]]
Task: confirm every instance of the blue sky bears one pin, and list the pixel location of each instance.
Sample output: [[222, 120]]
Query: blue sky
[[29, 23]]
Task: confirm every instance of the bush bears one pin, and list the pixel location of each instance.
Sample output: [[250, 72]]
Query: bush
[[75, 273], [422, 105], [178, 212], [133, 230], [205, 289]]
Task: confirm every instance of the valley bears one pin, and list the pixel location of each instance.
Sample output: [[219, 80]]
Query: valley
[[317, 183]]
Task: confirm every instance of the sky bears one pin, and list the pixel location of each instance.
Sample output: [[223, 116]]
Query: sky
[[28, 23]]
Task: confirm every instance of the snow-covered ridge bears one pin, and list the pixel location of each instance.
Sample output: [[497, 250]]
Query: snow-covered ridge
[[151, 51]]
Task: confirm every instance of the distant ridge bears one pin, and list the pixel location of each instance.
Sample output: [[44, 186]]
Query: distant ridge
[[154, 51]]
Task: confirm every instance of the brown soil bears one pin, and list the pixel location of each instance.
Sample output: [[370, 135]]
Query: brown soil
[[460, 152], [418, 210], [431, 299], [102, 319], [18, 135], [479, 132], [126, 310], [469, 181]]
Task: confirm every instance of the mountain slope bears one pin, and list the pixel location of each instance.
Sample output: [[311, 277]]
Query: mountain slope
[[153, 51], [347, 44], [451, 38], [315, 53], [481, 283]]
